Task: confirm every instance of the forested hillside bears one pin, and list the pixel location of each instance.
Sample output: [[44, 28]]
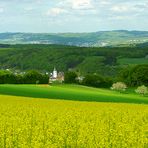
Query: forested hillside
[[106, 60]]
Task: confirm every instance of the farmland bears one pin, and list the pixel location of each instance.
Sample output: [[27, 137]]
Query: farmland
[[73, 74], [66, 115], [28, 122], [72, 92]]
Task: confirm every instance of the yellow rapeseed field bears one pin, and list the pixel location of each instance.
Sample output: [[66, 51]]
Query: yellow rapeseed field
[[41, 123]]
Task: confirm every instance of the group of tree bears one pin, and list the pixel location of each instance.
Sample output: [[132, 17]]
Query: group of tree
[[102, 60], [94, 80], [132, 76], [30, 77], [135, 76]]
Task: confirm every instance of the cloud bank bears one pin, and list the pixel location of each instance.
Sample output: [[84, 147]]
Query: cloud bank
[[73, 15]]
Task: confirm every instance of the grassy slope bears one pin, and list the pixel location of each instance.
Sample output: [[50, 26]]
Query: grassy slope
[[71, 92], [128, 61]]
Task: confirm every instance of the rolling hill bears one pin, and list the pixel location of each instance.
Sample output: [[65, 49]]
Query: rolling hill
[[95, 39], [72, 92]]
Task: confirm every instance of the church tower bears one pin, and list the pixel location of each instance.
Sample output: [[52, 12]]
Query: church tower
[[55, 73]]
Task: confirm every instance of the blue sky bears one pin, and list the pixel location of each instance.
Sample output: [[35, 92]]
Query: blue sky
[[72, 15]]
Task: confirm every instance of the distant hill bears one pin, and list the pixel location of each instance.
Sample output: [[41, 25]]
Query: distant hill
[[95, 39], [142, 44]]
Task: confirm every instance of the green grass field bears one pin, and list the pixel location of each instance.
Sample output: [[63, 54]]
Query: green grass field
[[72, 92], [129, 61]]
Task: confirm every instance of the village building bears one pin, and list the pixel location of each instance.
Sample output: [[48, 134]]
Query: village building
[[80, 78], [56, 76]]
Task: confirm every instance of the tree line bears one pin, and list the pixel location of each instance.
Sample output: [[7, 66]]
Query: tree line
[[132, 76], [30, 77]]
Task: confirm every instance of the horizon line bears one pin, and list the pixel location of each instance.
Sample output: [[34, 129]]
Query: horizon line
[[74, 32]]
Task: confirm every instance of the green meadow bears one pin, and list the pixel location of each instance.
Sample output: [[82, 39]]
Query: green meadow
[[72, 92], [128, 61]]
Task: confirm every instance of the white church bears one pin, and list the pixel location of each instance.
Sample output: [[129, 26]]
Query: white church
[[56, 76]]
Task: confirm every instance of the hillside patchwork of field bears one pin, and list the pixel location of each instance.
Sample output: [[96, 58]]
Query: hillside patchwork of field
[[95, 39]]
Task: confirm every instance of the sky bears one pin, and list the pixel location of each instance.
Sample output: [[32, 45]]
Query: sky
[[54, 16]]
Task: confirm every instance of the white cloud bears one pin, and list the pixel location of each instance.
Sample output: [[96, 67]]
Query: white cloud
[[78, 13], [77, 4], [73, 8], [129, 7], [56, 11], [82, 4], [120, 8], [105, 2]]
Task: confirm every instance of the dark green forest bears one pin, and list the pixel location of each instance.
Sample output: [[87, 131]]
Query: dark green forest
[[106, 61]]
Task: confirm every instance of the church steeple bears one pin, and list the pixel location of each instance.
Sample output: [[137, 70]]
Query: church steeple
[[55, 73], [56, 76]]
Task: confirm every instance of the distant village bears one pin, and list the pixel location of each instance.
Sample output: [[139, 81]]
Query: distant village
[[54, 76]]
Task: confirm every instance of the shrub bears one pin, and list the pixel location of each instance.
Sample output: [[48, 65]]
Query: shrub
[[142, 90], [119, 86], [92, 80]]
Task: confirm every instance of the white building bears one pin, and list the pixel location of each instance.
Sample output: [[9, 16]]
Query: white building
[[55, 73], [55, 76]]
